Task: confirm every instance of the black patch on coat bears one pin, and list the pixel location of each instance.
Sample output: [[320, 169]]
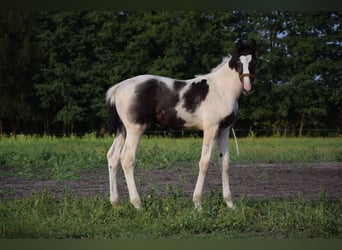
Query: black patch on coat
[[193, 97], [227, 121], [155, 102], [178, 85]]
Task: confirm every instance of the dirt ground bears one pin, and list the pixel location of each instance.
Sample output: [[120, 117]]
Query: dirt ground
[[257, 181]]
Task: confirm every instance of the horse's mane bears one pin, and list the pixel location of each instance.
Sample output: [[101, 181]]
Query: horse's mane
[[225, 60]]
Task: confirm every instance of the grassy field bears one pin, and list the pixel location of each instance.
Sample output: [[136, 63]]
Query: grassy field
[[173, 217], [44, 216], [63, 158]]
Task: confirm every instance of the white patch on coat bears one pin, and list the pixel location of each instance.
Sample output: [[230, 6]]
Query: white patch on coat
[[245, 60]]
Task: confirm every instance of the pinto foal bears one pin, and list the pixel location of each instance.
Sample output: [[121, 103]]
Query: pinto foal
[[207, 102]]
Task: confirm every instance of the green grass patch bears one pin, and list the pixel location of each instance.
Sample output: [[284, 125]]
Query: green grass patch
[[292, 149], [62, 158], [51, 157], [42, 216]]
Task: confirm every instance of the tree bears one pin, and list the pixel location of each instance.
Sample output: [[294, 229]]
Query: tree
[[56, 66], [19, 61], [312, 68], [79, 53], [298, 80], [259, 111], [86, 52]]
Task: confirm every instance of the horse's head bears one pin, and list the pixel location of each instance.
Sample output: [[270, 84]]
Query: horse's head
[[244, 62]]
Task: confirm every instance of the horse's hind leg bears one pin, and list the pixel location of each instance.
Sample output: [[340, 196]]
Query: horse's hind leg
[[127, 161], [113, 158]]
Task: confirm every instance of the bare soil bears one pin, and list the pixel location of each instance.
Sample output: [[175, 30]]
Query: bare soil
[[256, 181]]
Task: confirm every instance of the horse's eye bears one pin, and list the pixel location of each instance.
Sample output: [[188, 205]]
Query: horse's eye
[[240, 66]]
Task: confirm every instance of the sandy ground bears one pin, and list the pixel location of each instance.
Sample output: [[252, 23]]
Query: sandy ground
[[257, 181]]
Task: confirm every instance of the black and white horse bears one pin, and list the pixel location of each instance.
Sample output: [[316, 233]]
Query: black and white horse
[[207, 102]]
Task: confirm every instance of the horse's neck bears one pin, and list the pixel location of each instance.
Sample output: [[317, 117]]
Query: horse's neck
[[226, 81]]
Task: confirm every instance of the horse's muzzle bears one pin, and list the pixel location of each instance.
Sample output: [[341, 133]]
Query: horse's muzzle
[[247, 83]]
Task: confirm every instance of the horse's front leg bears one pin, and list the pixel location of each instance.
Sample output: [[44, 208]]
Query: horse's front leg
[[222, 143], [208, 142]]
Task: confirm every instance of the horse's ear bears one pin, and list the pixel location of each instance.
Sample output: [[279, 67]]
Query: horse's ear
[[238, 45], [253, 44]]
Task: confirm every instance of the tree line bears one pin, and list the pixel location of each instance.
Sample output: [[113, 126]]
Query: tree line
[[55, 67]]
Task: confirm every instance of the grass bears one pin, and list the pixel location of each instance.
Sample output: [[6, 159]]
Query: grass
[[62, 158], [174, 217], [171, 217], [51, 157]]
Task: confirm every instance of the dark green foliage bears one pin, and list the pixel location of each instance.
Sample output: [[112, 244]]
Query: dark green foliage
[[57, 66], [19, 59]]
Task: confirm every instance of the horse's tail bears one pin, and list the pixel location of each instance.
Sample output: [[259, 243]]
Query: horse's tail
[[114, 121]]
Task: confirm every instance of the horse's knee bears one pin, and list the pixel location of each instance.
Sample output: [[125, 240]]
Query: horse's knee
[[113, 161], [203, 165], [110, 153], [127, 161]]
